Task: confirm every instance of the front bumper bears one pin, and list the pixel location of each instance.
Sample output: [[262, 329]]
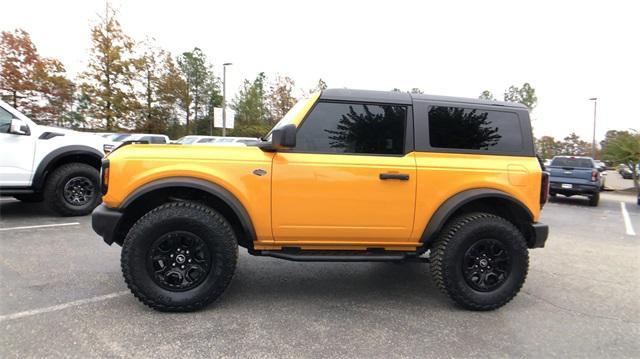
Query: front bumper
[[104, 221], [540, 233]]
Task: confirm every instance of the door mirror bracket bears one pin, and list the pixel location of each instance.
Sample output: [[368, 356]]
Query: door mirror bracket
[[281, 139]]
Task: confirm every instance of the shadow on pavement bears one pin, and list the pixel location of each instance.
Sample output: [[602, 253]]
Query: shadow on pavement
[[16, 209]]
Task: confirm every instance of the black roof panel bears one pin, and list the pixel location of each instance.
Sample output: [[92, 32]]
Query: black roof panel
[[404, 98]]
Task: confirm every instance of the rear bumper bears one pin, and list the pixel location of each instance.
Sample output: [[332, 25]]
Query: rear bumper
[[104, 221], [576, 188], [540, 232]]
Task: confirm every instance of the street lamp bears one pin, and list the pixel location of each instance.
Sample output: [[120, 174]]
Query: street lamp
[[224, 98], [595, 105]]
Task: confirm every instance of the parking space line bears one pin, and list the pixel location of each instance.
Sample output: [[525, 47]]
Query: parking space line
[[627, 221], [40, 226], [54, 308]]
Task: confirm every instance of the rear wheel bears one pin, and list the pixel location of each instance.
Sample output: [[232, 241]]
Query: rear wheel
[[181, 256], [594, 199], [480, 261]]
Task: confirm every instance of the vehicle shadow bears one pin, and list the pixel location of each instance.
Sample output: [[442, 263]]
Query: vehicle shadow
[[15, 209], [574, 200], [265, 281]]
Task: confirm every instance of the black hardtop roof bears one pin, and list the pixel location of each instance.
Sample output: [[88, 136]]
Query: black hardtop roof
[[404, 98]]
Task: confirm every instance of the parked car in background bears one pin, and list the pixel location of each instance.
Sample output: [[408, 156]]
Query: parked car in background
[[49, 164], [191, 139], [249, 141], [218, 140], [118, 139], [575, 175], [600, 165]]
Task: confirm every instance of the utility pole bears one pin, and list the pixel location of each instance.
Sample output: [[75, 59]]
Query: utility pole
[[595, 105], [224, 98]]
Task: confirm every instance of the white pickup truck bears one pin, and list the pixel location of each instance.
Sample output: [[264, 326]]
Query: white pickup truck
[[55, 165]]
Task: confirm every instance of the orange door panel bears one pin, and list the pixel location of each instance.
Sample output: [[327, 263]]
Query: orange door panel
[[333, 198]]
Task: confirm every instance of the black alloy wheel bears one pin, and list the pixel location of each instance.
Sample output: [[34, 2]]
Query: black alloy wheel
[[179, 261], [486, 265], [79, 191]]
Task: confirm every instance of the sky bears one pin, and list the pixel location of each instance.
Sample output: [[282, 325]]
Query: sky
[[569, 51]]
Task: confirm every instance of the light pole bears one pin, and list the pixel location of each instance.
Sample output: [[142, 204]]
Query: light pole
[[595, 105], [224, 98]]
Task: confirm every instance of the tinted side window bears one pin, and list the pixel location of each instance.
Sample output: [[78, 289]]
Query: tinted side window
[[5, 120], [474, 129], [353, 128], [156, 139]]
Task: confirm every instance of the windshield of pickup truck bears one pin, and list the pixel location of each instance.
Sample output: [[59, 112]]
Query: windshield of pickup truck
[[572, 162]]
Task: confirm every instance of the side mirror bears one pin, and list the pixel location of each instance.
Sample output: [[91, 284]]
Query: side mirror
[[18, 127], [284, 137]]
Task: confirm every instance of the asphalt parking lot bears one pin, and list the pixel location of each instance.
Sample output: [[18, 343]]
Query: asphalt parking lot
[[62, 294]]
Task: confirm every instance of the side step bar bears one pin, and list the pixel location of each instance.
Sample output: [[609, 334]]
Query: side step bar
[[339, 256]]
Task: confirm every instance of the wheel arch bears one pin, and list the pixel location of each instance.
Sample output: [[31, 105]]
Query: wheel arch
[[165, 190], [64, 155], [485, 200]]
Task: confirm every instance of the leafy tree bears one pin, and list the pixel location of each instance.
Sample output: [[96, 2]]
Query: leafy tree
[[416, 90], [108, 78], [173, 94], [486, 95], [525, 95], [625, 148], [252, 115], [321, 86], [35, 85], [280, 98], [573, 145], [547, 147], [198, 75]]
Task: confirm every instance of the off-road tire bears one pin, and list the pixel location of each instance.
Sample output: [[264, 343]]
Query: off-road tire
[[449, 250], [29, 198], [55, 185], [594, 199], [200, 220]]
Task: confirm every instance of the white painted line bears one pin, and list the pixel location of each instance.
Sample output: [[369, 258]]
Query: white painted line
[[627, 220], [54, 308], [40, 226]]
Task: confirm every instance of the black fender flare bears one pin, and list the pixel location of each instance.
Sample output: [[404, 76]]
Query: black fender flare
[[212, 188], [49, 160], [450, 206]]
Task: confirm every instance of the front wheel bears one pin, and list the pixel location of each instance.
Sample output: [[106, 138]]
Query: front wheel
[[480, 261], [73, 189], [179, 257]]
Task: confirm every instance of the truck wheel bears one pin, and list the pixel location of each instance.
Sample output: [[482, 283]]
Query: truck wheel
[[594, 199], [480, 261], [179, 257], [73, 189], [29, 198]]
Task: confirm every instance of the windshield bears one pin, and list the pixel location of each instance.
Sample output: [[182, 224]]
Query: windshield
[[186, 140], [289, 117], [119, 138], [572, 162]]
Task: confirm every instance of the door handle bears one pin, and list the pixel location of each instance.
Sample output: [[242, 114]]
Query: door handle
[[394, 176]]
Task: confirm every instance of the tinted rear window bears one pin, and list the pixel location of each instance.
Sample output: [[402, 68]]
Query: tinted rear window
[[474, 129], [572, 162]]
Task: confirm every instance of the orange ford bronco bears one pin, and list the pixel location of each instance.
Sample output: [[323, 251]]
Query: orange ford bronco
[[346, 175]]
